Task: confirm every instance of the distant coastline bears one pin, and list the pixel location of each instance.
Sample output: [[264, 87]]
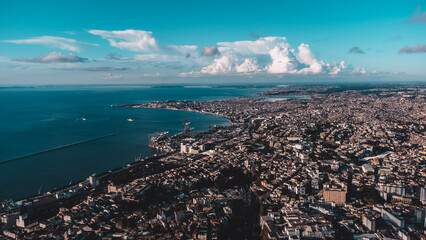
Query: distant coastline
[[171, 108]]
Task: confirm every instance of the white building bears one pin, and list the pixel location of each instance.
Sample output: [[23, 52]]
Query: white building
[[22, 221], [367, 168]]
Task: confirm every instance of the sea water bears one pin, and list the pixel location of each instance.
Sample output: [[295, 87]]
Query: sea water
[[35, 119]]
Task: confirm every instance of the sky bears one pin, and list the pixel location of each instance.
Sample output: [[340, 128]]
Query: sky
[[114, 42]]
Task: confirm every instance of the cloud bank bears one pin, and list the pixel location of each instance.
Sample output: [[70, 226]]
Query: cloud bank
[[270, 55], [264, 55], [54, 42], [132, 40]]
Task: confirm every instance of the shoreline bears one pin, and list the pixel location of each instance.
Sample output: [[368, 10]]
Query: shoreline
[[182, 110], [110, 171]]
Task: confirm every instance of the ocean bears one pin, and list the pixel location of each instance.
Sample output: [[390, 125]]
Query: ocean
[[35, 119]]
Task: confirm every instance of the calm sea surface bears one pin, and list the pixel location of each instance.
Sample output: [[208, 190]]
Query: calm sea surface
[[37, 119]]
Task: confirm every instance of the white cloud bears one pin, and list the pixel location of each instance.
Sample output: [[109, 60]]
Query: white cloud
[[133, 40], [221, 65], [260, 46], [248, 66], [335, 68], [359, 70], [306, 57], [267, 55], [230, 64], [282, 61], [270, 55], [54, 42]]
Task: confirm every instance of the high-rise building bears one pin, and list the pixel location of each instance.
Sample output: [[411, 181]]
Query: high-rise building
[[423, 195], [369, 222]]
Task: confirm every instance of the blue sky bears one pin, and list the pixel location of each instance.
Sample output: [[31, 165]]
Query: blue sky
[[53, 42]]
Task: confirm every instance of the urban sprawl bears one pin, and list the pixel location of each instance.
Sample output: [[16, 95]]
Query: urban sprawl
[[298, 162]]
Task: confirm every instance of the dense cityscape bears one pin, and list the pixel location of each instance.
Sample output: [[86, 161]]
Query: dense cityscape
[[299, 162]]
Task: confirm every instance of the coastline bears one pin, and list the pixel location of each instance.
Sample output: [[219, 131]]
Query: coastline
[[182, 110], [77, 163], [117, 170]]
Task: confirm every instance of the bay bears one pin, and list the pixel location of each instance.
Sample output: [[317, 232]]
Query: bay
[[40, 118]]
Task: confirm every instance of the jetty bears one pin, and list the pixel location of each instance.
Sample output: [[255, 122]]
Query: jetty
[[58, 148]]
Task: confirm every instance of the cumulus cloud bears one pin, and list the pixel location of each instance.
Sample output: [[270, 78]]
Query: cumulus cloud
[[248, 66], [276, 58], [306, 57], [54, 42], [418, 16], [282, 61], [259, 46], [230, 64], [54, 57], [210, 51], [359, 70], [132, 40], [221, 65], [356, 50], [418, 48], [335, 68]]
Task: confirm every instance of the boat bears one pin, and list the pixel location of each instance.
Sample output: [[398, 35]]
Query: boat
[[130, 120]]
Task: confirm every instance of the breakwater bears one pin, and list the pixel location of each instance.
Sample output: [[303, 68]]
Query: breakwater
[[58, 148]]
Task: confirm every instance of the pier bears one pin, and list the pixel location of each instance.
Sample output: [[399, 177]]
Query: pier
[[58, 148]]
